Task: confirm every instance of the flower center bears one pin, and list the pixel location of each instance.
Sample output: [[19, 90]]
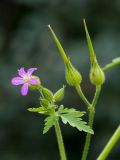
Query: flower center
[[26, 78]]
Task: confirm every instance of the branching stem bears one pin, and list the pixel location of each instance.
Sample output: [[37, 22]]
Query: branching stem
[[81, 94]]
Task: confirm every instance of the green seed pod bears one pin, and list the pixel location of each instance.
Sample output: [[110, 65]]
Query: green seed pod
[[73, 77], [97, 76], [35, 86], [60, 48], [58, 96], [47, 94]]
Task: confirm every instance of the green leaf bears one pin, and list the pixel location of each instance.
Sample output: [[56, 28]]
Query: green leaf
[[71, 111], [44, 102], [60, 109], [49, 122], [73, 117], [41, 110]]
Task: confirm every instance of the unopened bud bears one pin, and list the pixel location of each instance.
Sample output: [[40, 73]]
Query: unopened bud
[[47, 94], [73, 77], [58, 96]]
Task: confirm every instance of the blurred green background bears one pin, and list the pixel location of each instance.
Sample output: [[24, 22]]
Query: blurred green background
[[25, 41]]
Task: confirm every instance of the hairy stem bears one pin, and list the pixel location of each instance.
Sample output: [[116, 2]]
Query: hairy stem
[[90, 123], [60, 141], [111, 143]]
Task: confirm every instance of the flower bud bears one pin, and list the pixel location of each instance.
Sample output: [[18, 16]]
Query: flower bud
[[97, 76], [58, 96], [35, 86], [73, 77], [47, 94]]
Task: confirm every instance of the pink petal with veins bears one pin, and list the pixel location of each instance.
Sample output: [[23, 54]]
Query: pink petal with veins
[[31, 70], [21, 72], [17, 81], [24, 89]]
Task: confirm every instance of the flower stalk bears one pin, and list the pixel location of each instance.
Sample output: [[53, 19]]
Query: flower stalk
[[111, 143], [60, 141], [90, 122], [115, 62], [82, 96]]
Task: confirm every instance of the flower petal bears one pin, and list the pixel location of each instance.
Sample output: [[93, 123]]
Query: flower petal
[[17, 81], [24, 89], [33, 81], [31, 70], [21, 72]]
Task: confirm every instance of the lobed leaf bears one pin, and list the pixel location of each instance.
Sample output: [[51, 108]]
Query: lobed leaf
[[63, 110], [77, 122], [49, 122], [73, 117], [41, 110], [44, 102]]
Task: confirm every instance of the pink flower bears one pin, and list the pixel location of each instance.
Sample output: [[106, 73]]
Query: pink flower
[[25, 79]]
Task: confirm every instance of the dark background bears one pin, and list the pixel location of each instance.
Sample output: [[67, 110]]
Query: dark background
[[26, 41]]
